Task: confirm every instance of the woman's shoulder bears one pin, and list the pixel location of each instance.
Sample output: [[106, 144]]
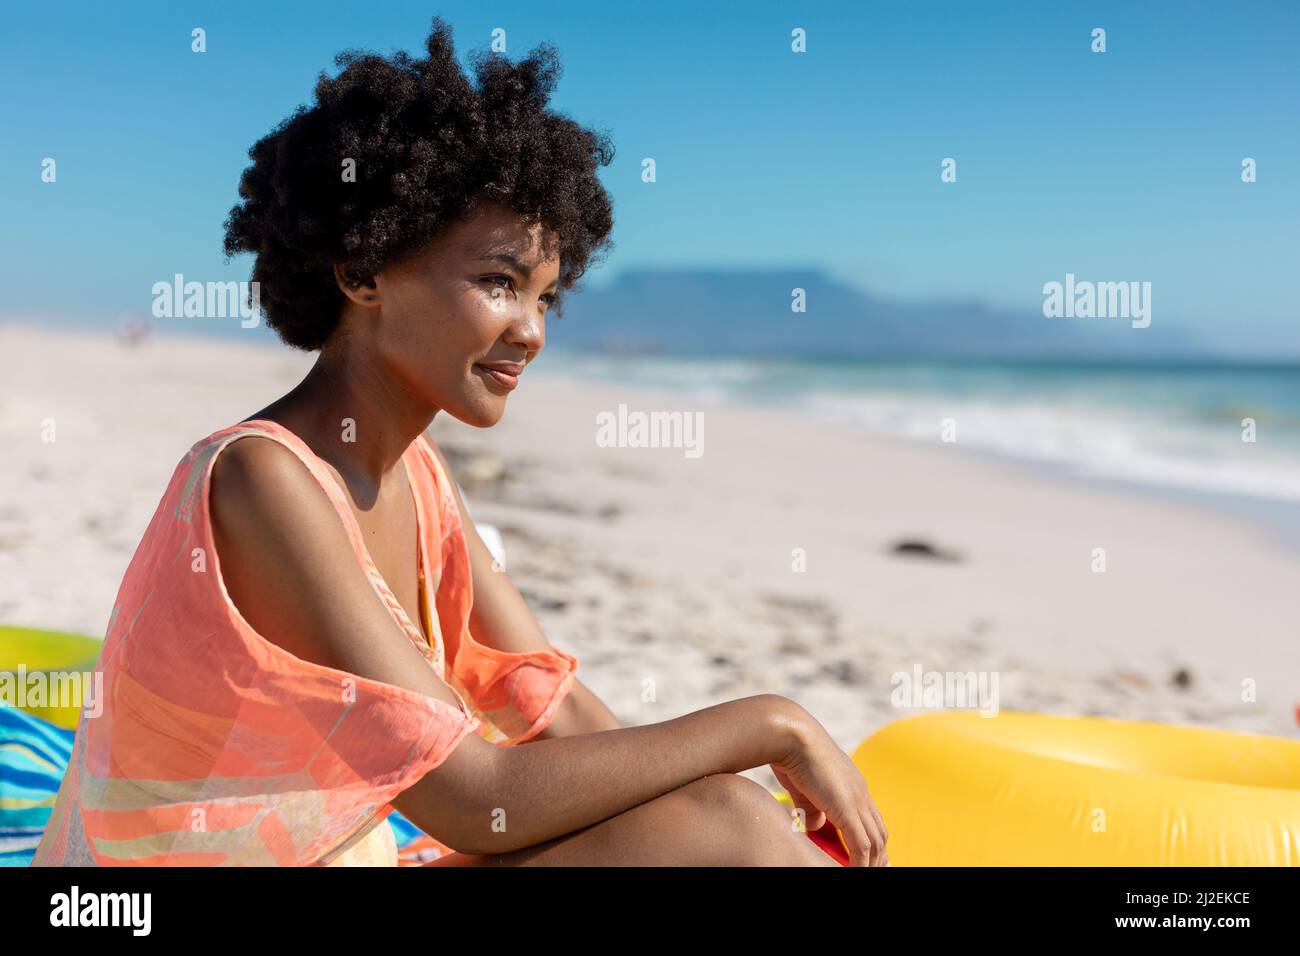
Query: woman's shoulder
[[255, 481], [259, 427], [256, 471], [265, 448], [263, 480]]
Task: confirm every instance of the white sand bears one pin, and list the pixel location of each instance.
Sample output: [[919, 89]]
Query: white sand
[[655, 567]]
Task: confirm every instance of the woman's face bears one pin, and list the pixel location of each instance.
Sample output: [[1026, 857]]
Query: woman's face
[[457, 322]]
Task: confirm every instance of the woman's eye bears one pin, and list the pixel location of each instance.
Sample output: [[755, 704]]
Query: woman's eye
[[503, 282]]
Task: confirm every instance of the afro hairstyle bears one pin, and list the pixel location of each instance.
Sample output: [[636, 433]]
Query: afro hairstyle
[[426, 146]]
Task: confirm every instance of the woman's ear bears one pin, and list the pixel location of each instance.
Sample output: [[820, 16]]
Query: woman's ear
[[365, 294]]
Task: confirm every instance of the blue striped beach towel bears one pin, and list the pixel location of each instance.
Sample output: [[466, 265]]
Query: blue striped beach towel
[[33, 757]]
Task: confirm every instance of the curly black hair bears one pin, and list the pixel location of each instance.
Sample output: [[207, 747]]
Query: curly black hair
[[427, 147]]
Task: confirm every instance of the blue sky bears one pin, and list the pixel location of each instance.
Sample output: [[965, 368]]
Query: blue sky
[[1116, 166]]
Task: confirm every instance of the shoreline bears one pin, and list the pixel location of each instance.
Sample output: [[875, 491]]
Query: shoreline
[[1276, 519]]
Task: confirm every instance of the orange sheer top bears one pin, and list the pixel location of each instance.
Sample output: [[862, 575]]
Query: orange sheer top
[[214, 746]]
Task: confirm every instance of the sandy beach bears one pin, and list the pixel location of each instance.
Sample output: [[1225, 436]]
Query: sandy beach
[[769, 563]]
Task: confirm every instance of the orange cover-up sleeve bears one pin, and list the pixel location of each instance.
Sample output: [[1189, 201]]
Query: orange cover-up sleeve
[[514, 695]]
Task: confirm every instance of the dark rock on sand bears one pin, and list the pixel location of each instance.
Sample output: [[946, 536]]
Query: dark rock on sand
[[916, 548]]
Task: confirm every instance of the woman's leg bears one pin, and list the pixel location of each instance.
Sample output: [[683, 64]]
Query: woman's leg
[[719, 820]]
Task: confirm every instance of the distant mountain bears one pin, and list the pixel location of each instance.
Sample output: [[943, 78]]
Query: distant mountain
[[738, 313]]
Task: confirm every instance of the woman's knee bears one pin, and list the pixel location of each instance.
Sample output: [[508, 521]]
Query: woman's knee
[[761, 829], [732, 794]]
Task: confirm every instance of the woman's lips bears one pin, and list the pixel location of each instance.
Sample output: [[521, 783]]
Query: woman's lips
[[506, 379]]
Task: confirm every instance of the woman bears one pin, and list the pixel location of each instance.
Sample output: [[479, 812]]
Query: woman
[[312, 633]]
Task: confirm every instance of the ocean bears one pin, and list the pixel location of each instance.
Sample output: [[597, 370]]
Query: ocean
[[1176, 427]]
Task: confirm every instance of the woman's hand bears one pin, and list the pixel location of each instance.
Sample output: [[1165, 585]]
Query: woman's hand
[[824, 783]]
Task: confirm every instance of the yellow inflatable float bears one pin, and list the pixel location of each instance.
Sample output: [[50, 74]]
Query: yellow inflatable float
[[958, 789], [26, 651]]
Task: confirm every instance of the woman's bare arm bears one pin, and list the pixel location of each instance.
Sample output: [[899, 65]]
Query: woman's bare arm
[[290, 570], [521, 796]]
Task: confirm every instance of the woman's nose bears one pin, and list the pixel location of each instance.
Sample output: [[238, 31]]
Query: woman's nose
[[529, 330]]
